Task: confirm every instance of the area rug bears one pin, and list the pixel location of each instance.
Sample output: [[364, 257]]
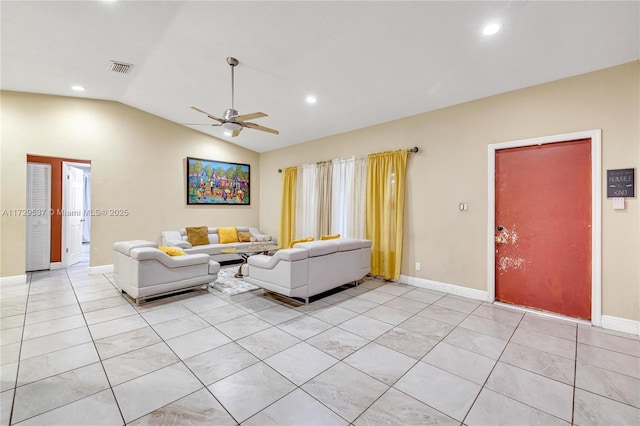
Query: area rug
[[230, 285]]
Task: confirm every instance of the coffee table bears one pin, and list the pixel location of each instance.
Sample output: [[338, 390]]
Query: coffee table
[[248, 251]]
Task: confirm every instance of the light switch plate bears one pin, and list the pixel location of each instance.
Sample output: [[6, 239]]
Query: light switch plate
[[618, 203]]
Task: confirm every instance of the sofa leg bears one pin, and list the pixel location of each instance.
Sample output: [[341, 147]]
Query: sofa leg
[[306, 300]]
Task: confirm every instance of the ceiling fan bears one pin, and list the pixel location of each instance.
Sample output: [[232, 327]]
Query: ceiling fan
[[232, 120]]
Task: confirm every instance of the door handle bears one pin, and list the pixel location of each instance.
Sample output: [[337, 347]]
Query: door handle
[[500, 239]]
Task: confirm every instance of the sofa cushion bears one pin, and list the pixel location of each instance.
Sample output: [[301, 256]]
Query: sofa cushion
[[197, 235], [172, 251], [228, 235], [301, 240], [346, 244], [319, 248], [329, 237], [244, 236]]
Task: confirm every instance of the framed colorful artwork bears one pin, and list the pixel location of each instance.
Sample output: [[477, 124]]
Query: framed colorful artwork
[[217, 182]]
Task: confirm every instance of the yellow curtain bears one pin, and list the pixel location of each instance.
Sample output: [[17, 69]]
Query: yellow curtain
[[288, 207], [385, 212]]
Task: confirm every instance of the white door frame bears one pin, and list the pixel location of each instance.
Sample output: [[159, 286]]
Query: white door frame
[[596, 212], [65, 183]]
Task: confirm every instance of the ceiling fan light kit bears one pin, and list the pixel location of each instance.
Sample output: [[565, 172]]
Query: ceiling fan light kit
[[231, 126], [231, 119]]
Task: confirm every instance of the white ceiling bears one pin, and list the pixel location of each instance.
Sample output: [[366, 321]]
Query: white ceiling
[[367, 62]]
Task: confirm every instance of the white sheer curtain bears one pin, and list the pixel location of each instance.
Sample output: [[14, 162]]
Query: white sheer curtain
[[342, 196], [331, 198], [307, 202], [324, 178]]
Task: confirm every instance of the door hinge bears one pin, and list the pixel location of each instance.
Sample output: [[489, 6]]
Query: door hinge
[[68, 177], [67, 251]]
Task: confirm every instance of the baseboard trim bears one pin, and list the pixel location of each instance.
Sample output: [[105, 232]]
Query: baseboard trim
[[457, 290], [621, 324], [17, 279], [55, 265], [102, 269]]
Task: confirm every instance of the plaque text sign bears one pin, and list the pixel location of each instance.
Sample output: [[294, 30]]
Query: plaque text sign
[[621, 183]]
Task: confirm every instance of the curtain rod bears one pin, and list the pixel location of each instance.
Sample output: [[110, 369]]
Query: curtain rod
[[409, 150]]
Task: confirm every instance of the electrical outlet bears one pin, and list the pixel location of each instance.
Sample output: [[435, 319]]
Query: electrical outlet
[[417, 266]]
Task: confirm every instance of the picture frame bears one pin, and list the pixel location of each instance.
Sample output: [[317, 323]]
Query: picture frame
[[212, 182]]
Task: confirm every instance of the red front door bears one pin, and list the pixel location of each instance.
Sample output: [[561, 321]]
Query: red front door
[[543, 227]]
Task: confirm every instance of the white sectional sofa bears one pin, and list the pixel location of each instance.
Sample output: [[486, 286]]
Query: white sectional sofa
[[310, 268], [179, 239], [142, 271]]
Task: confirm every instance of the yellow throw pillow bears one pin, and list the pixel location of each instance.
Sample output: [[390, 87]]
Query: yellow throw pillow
[[244, 236], [330, 237], [198, 235], [172, 251], [301, 240], [228, 235]]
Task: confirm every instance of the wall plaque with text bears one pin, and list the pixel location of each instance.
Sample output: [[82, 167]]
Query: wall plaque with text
[[621, 183]]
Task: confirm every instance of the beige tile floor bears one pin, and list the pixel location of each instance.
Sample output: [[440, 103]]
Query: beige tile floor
[[75, 351]]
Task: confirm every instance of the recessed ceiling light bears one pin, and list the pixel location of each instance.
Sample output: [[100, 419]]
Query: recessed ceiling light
[[77, 88], [491, 29], [311, 99]]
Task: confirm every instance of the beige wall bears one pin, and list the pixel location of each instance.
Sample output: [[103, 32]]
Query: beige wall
[[137, 163], [451, 167]]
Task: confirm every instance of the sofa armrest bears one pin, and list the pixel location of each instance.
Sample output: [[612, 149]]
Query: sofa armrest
[[125, 247], [259, 236], [179, 244], [173, 239], [147, 253]]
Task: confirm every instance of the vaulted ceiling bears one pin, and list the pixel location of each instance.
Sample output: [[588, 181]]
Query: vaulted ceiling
[[366, 62]]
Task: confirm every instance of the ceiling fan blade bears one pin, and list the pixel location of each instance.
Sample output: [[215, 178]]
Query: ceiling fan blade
[[236, 133], [208, 115], [200, 124], [261, 128], [251, 116]]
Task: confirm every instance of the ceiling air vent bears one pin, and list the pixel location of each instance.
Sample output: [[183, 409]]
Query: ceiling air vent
[[120, 67]]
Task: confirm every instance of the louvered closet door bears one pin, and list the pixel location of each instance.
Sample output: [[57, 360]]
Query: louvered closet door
[[38, 217]]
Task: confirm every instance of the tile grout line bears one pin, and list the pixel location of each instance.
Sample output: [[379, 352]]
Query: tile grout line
[[97, 353], [332, 326], [416, 362], [24, 320], [493, 369], [331, 366], [46, 411]]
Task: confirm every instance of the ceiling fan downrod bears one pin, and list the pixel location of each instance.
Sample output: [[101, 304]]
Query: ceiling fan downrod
[[232, 62]]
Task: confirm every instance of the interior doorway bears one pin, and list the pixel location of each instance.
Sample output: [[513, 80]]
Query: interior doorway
[[59, 209], [73, 214], [544, 224]]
